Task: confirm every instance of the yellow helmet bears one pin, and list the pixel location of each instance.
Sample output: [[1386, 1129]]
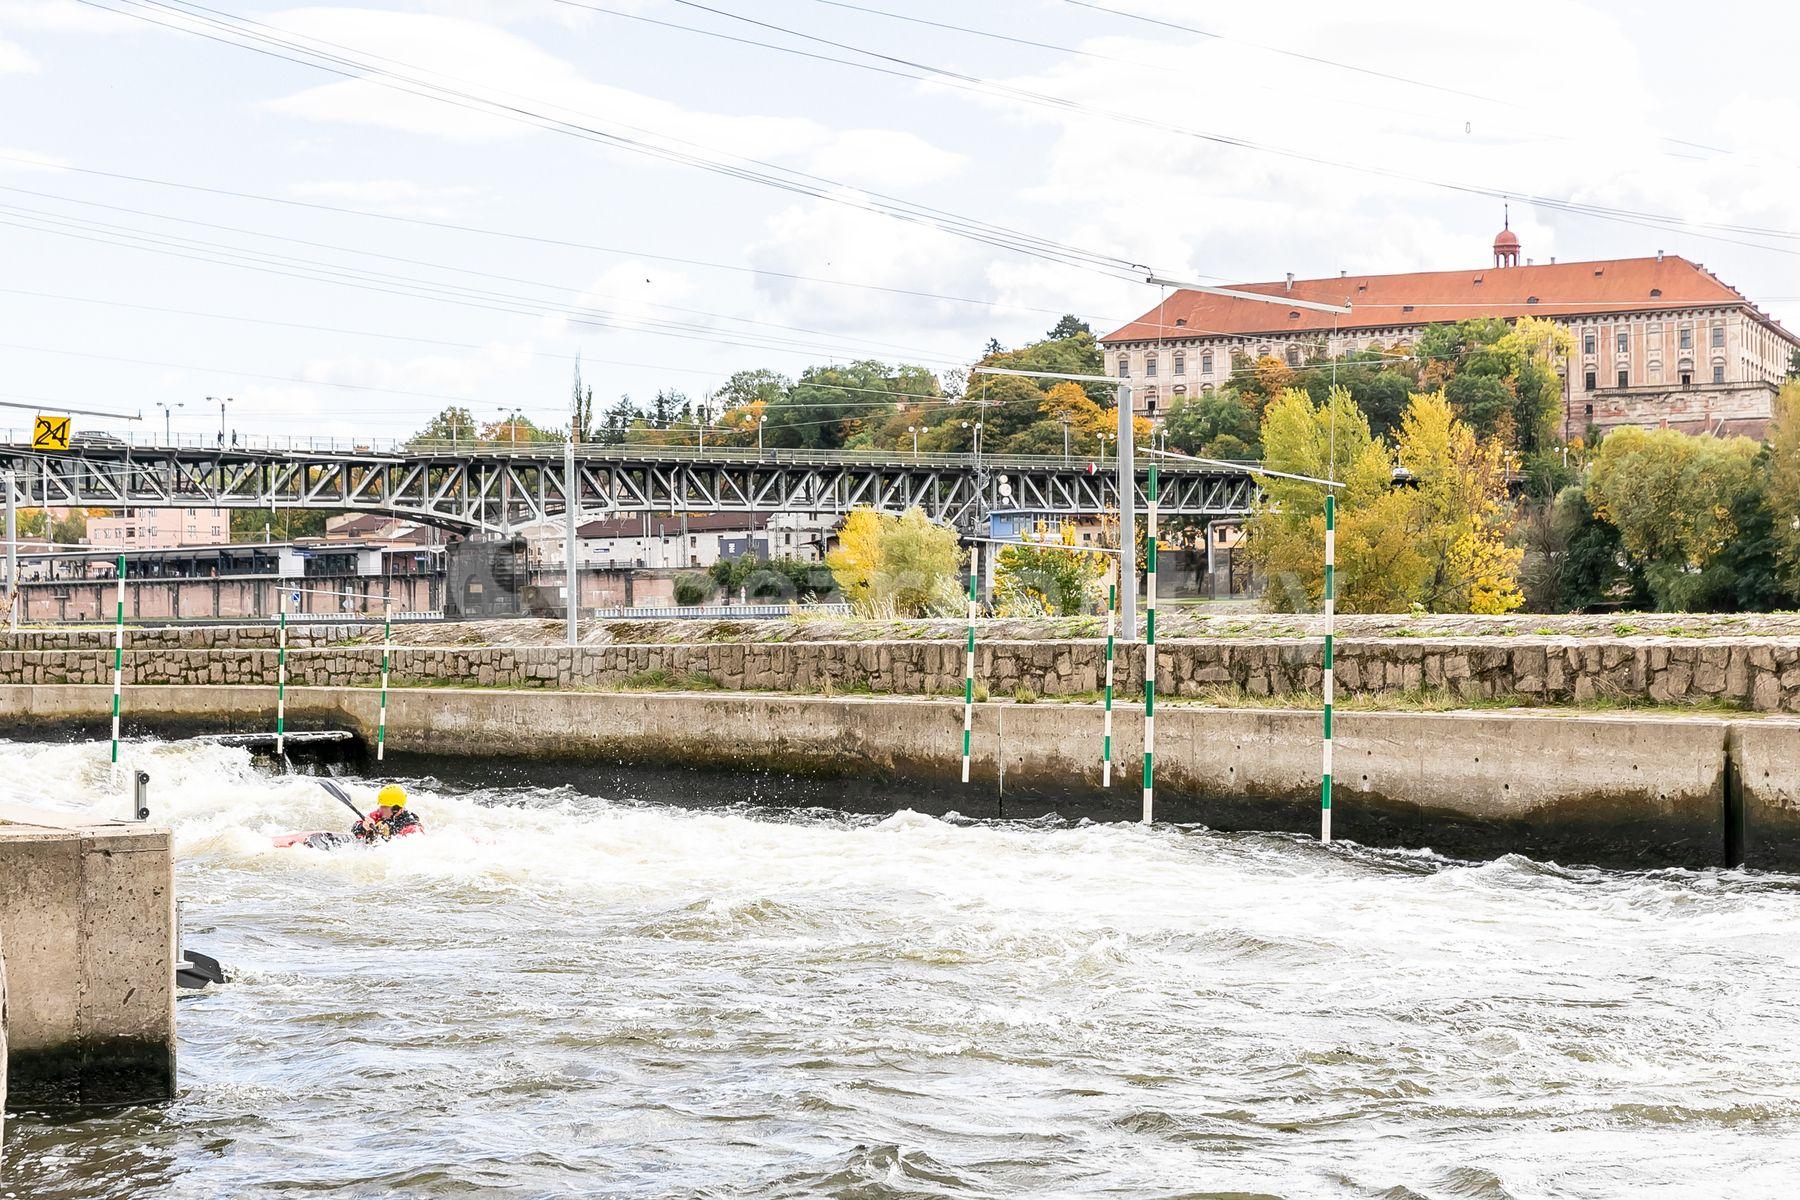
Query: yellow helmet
[[391, 796]]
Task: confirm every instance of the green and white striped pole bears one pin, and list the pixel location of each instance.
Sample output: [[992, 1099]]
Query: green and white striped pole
[[118, 663], [281, 681], [969, 663], [1112, 627], [1149, 648], [1330, 623], [387, 647]]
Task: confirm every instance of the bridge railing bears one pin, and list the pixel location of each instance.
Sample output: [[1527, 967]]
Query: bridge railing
[[300, 444]]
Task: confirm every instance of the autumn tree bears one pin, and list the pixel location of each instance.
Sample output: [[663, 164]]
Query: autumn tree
[[1441, 545], [1051, 575], [903, 566], [1674, 500]]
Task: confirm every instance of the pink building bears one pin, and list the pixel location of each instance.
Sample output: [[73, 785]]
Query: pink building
[[151, 528]]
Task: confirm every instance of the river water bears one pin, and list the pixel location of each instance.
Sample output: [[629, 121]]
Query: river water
[[563, 995]]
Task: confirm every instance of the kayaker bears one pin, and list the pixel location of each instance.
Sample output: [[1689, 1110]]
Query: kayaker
[[389, 818]]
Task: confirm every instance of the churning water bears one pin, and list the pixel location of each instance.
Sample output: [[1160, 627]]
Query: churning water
[[558, 995]]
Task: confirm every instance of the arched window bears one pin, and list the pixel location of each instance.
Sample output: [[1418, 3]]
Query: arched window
[[1293, 356], [1180, 363], [1149, 366], [1206, 363]]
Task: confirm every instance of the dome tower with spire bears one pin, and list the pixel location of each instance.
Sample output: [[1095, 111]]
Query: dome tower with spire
[[1506, 244]]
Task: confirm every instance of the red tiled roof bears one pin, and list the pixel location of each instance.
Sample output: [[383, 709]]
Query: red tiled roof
[[1425, 297]]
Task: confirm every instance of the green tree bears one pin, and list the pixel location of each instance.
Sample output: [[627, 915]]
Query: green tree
[[453, 424], [71, 528], [517, 429], [1591, 570], [1213, 425], [281, 524], [1784, 484], [1674, 499], [1068, 326], [1049, 577], [830, 405]]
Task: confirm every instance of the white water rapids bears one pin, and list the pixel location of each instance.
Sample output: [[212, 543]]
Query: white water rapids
[[553, 994]]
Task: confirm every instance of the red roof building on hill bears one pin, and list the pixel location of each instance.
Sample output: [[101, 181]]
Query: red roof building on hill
[[1659, 341]]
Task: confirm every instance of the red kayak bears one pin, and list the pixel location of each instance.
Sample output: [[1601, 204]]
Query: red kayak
[[323, 839]]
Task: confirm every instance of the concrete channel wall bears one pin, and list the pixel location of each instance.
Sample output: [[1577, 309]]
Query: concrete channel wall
[[87, 939], [1618, 789], [1760, 674]]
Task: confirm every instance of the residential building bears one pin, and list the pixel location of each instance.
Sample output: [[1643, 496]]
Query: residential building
[[1658, 341], [157, 528], [694, 540]]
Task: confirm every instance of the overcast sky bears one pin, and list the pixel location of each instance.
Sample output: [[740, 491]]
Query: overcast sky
[[1666, 112]]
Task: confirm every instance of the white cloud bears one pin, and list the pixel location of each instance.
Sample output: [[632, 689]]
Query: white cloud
[[502, 67], [883, 158], [396, 197], [62, 16], [1572, 123], [14, 60], [460, 375]]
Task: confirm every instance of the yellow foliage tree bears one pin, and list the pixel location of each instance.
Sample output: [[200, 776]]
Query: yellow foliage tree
[[902, 566], [1441, 546]]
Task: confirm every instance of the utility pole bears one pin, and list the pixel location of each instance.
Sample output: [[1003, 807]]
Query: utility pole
[[571, 492], [12, 552], [1127, 485]]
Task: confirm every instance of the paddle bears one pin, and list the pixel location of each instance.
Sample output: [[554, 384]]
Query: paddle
[[341, 796]]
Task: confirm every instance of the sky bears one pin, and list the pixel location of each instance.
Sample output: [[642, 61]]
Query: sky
[[384, 210]]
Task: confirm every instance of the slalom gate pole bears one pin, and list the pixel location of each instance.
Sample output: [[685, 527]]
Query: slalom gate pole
[[1150, 648], [969, 663], [1112, 628], [281, 681], [387, 648], [118, 664], [1326, 683]]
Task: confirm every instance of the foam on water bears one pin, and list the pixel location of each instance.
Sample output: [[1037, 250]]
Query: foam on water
[[557, 994]]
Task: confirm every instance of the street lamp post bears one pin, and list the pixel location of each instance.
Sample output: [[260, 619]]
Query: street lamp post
[[221, 401], [914, 430], [168, 422], [761, 419], [975, 436]]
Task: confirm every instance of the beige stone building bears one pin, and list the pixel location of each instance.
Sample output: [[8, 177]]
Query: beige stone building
[[1658, 341]]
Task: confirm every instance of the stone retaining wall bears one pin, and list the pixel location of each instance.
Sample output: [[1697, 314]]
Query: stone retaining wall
[[1761, 674]]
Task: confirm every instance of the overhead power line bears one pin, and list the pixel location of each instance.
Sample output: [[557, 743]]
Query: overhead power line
[[401, 285], [967, 82], [243, 33], [538, 239], [351, 250]]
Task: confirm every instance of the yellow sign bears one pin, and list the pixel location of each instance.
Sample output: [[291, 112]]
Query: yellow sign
[[50, 433]]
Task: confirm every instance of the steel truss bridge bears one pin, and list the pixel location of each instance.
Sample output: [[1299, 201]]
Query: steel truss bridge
[[497, 490]]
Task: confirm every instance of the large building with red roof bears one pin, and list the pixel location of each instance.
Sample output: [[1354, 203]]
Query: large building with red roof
[[1658, 341]]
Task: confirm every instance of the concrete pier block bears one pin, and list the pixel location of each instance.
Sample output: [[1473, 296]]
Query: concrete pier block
[[87, 935]]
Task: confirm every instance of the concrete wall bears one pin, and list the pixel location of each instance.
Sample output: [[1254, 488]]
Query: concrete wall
[[1627, 790], [1757, 673], [87, 929]]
